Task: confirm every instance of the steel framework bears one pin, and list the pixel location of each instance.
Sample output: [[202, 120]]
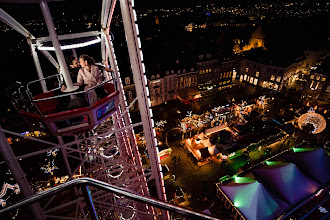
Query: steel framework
[[108, 153]]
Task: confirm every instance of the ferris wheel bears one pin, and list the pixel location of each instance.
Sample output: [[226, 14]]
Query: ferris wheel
[[104, 146]]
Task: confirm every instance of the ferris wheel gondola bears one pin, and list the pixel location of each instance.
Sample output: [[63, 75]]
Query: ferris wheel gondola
[[78, 118]]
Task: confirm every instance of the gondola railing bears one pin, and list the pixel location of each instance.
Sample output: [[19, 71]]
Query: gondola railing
[[124, 196]]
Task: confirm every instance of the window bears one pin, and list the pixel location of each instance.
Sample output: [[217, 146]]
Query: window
[[207, 70], [264, 84], [318, 78], [245, 77], [210, 70], [272, 78], [246, 69], [221, 75], [257, 74], [278, 79], [312, 76], [323, 79], [328, 89]]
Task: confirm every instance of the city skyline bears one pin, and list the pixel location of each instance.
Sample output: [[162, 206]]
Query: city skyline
[[218, 107]]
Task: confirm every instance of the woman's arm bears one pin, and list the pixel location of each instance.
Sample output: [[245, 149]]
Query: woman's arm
[[80, 79]]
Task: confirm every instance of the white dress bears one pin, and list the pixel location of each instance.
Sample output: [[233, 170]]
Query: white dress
[[90, 79]]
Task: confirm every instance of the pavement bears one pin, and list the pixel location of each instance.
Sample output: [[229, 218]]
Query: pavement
[[199, 182]]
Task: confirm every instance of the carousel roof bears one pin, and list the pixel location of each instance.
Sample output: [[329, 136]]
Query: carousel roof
[[254, 201], [314, 162], [287, 181]]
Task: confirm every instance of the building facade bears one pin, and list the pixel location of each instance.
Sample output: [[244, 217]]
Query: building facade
[[318, 81], [259, 74], [209, 73], [214, 73]]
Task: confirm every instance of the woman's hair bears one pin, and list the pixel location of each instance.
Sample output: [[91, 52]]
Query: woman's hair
[[87, 58]]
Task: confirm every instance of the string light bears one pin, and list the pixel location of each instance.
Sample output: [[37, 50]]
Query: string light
[[3, 192]]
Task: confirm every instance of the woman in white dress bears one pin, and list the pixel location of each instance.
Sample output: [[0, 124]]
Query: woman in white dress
[[89, 75]]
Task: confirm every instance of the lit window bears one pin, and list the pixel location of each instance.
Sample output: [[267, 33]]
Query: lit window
[[323, 79], [200, 72], [312, 76], [272, 78], [207, 70], [278, 79], [203, 71], [328, 89], [318, 78], [257, 74], [245, 77], [210, 70], [264, 84], [247, 69], [220, 75]]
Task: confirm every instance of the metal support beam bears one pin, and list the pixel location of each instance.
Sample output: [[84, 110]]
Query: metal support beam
[[56, 45], [18, 174], [51, 59], [108, 7], [74, 52], [37, 64], [6, 18], [69, 36], [134, 49], [123, 103]]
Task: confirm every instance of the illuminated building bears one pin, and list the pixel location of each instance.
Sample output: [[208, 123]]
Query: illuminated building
[[318, 81], [257, 69], [256, 41], [214, 72]]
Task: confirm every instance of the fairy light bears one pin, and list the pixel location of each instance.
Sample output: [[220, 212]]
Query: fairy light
[[4, 189], [313, 118], [49, 167]]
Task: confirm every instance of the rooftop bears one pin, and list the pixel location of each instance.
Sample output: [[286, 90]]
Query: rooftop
[[266, 57]]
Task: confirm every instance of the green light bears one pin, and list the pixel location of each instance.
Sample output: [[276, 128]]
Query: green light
[[273, 163], [236, 204], [243, 179], [297, 150]]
